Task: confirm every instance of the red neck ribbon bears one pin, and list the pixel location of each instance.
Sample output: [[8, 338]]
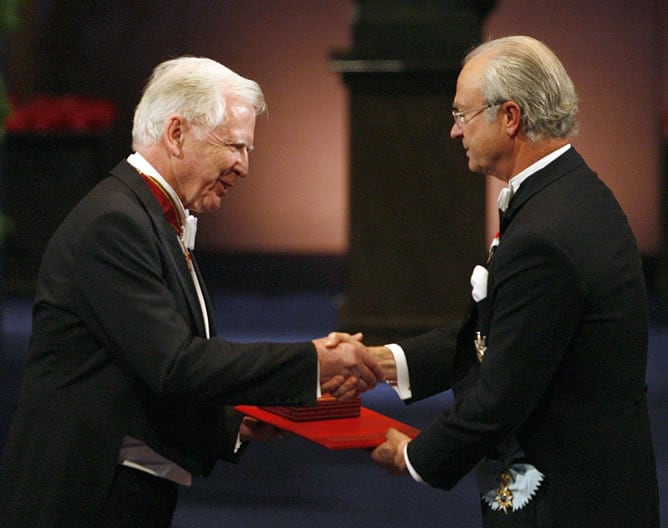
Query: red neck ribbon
[[165, 201]]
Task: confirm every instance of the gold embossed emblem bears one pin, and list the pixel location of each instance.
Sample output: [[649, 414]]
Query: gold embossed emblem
[[504, 497], [480, 343]]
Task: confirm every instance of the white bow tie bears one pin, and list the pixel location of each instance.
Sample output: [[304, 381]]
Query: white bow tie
[[504, 198], [190, 231]]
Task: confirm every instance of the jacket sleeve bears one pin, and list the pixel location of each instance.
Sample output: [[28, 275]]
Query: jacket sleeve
[[229, 421], [536, 304], [430, 359], [132, 286]]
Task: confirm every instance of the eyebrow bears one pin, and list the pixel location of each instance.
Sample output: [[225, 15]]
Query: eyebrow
[[240, 143]]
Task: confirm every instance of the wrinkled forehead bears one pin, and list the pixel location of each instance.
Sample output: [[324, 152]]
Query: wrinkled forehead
[[239, 118]]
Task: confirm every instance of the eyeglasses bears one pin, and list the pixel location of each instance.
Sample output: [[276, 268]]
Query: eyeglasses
[[460, 115]]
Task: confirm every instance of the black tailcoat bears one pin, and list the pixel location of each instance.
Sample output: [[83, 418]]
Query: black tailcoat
[[118, 348], [565, 321]]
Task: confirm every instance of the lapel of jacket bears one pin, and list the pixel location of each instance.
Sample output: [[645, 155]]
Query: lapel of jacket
[[167, 237], [207, 298], [565, 163], [476, 325]]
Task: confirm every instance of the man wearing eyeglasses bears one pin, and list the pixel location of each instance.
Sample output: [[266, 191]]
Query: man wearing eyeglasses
[[548, 367]]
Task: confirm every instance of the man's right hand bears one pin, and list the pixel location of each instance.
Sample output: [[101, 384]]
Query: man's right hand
[[347, 369], [382, 354]]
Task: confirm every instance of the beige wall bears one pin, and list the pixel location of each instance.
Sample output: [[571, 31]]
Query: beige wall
[[295, 198]]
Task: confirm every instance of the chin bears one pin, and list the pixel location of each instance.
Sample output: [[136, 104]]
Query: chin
[[211, 204]]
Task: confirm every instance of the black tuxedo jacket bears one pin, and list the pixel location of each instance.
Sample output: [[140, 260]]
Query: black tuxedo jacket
[[565, 322], [118, 348]]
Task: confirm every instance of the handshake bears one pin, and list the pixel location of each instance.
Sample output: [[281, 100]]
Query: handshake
[[348, 367]]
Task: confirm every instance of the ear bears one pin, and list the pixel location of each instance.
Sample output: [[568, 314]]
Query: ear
[[512, 115], [174, 135]]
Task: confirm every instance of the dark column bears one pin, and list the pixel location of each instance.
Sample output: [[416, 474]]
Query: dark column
[[661, 280], [417, 214], [45, 176]]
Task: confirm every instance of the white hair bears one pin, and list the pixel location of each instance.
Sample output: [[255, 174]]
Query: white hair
[[524, 70], [196, 88]]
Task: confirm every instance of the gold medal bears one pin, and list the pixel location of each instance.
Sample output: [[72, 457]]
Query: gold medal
[[504, 497]]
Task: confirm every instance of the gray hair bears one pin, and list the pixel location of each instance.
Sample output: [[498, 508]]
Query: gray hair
[[524, 70], [197, 88]]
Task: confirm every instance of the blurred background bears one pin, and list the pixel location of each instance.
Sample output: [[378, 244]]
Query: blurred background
[[359, 211], [297, 198]]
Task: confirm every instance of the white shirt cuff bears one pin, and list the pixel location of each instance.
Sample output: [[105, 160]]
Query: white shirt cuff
[[416, 476], [403, 386]]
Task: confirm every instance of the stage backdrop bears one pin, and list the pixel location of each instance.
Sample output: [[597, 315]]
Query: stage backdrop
[[295, 199]]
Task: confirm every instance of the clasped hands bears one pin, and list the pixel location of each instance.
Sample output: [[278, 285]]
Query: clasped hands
[[378, 365], [347, 369]]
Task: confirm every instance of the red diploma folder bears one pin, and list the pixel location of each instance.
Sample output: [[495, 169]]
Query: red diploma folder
[[364, 431]]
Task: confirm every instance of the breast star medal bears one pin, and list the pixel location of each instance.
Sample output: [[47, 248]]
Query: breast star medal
[[480, 343]]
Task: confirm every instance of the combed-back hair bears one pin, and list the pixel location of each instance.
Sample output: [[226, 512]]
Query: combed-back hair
[[196, 88], [524, 70]]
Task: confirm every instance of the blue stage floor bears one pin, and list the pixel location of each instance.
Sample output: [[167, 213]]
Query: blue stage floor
[[294, 483]]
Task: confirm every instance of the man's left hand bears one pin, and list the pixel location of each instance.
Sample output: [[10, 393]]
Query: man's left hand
[[252, 429], [390, 455]]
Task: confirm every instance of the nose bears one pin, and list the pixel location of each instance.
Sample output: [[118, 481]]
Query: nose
[[455, 131], [241, 167]]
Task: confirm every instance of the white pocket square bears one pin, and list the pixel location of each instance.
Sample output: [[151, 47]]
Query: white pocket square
[[479, 283]]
